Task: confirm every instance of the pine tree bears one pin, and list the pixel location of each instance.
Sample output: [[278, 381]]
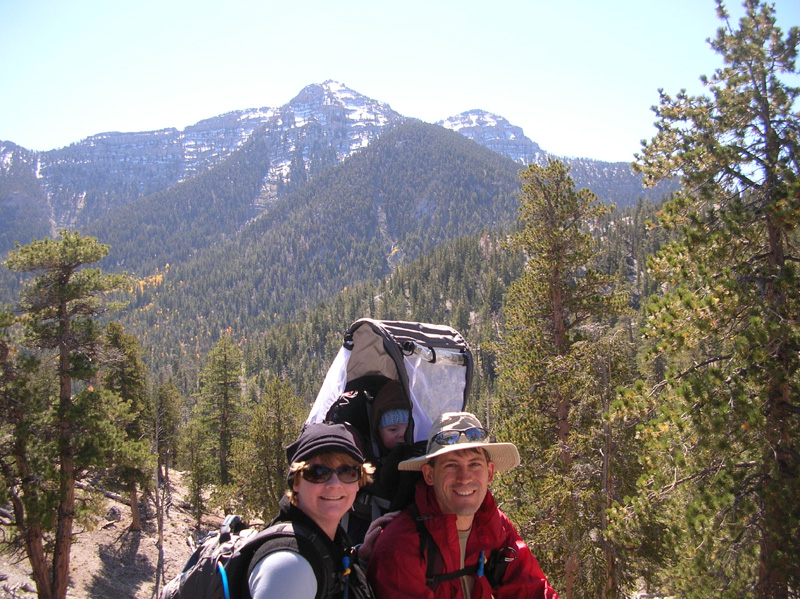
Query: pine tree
[[126, 375], [259, 458], [165, 427], [559, 364], [724, 436], [60, 307], [197, 461], [220, 403], [163, 431]]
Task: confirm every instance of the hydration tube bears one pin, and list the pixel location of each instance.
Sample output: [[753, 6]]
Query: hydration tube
[[346, 575], [481, 563], [224, 576]]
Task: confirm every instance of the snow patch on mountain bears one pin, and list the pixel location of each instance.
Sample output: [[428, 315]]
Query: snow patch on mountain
[[496, 133], [323, 125]]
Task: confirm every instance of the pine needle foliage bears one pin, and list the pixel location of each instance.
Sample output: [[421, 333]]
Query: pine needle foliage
[[59, 425], [126, 375], [259, 467], [220, 404], [560, 360], [723, 461]]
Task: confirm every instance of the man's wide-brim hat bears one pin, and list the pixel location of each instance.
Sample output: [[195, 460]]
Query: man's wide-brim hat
[[504, 455]]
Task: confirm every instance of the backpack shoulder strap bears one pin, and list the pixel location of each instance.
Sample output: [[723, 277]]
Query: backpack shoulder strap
[[494, 568], [291, 536], [497, 563], [429, 551]]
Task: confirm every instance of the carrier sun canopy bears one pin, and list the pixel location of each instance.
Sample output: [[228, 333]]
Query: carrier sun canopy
[[432, 362]]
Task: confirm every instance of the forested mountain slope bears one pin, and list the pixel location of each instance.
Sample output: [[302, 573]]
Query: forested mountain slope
[[461, 283], [172, 225], [135, 185], [413, 189]]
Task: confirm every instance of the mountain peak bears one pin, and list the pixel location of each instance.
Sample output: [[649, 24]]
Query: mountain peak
[[496, 133], [476, 118], [355, 106], [334, 87], [320, 127]]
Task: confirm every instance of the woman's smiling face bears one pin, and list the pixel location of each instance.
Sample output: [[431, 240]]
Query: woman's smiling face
[[327, 502]]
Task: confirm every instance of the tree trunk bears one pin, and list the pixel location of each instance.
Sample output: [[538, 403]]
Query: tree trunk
[[610, 586], [66, 508], [34, 548], [570, 574], [66, 516], [779, 464], [31, 532], [773, 583], [159, 523], [166, 470], [136, 521], [562, 412], [38, 561]]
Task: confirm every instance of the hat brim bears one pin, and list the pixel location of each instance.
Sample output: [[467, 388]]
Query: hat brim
[[504, 455]]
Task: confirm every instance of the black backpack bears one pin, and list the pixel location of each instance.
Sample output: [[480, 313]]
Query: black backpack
[[221, 565]]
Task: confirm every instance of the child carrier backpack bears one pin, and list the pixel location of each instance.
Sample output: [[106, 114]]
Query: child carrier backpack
[[433, 366], [432, 363], [220, 567]]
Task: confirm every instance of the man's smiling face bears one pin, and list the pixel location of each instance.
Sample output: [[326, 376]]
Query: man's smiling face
[[460, 480]]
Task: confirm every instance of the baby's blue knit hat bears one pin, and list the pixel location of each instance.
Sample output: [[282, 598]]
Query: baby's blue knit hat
[[391, 417]]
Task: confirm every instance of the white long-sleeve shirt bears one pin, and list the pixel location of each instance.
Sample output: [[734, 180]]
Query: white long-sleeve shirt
[[284, 574]]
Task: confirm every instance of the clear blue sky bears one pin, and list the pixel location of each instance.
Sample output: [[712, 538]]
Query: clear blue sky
[[579, 76]]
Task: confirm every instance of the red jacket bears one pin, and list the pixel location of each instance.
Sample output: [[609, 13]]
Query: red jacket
[[396, 570]]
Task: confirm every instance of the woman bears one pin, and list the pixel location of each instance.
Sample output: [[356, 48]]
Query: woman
[[326, 470]]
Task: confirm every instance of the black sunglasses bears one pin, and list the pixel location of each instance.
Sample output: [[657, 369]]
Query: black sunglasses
[[317, 473], [473, 435]]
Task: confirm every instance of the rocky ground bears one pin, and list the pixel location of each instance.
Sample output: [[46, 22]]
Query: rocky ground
[[111, 561]]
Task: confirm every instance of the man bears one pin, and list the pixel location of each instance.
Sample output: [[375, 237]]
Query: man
[[454, 542]]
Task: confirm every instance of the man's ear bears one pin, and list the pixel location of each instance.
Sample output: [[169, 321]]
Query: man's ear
[[491, 471], [427, 474]]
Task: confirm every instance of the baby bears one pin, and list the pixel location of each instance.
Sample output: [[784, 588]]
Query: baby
[[392, 428], [390, 417]]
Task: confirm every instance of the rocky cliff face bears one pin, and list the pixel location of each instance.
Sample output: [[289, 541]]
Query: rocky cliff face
[[321, 126], [324, 124], [497, 134]]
